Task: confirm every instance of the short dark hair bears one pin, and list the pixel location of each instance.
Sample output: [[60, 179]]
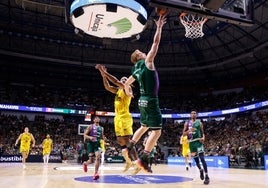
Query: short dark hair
[[194, 110], [95, 116]]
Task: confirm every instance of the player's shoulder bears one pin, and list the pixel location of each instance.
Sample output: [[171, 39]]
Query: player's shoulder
[[186, 122], [30, 134]]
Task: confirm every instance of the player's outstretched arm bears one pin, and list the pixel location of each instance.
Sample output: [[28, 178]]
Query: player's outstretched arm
[[157, 37], [105, 81]]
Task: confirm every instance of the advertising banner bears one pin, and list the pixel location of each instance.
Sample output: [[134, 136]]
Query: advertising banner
[[212, 161], [31, 158]]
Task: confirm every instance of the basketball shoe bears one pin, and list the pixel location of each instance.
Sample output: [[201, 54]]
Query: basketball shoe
[[206, 181], [127, 166], [201, 174], [136, 169], [128, 160], [96, 176], [143, 163]]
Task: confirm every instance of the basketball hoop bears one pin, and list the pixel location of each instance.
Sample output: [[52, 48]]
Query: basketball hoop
[[193, 25]]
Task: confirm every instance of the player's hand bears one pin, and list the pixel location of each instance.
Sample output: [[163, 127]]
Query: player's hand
[[128, 91], [192, 129], [98, 66], [93, 139], [103, 68], [161, 21]]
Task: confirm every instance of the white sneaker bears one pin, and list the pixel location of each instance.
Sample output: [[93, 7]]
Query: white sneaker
[[127, 166], [136, 169]]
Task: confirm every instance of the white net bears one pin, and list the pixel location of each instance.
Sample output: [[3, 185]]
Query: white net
[[193, 25]]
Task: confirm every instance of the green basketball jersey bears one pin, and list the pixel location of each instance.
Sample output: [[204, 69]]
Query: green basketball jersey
[[148, 79], [197, 133]]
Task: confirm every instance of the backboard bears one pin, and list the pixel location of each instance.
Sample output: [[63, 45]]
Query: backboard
[[239, 12]]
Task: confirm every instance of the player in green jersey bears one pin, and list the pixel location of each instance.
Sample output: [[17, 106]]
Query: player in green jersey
[[195, 132], [145, 73]]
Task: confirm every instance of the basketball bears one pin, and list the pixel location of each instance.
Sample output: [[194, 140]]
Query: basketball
[[161, 11]]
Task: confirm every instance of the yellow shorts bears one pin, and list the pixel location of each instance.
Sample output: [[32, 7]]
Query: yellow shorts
[[102, 145], [25, 149], [46, 151], [185, 151], [123, 125]]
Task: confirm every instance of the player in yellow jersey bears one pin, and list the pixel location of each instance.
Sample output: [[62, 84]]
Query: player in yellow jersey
[[47, 146], [102, 145], [186, 153], [123, 119], [25, 139]]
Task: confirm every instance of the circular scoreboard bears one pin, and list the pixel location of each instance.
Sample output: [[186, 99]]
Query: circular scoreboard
[[108, 18]]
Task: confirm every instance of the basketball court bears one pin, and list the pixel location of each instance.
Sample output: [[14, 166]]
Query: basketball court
[[64, 175]]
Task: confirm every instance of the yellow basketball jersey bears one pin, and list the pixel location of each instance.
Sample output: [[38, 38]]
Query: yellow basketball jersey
[[26, 139], [25, 142], [185, 146], [185, 142], [102, 144], [47, 143], [121, 102]]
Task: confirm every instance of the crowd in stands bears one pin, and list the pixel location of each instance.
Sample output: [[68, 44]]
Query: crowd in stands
[[238, 136], [99, 99]]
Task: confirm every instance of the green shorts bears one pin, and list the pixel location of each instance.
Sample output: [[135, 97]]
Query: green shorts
[[93, 147], [150, 115], [196, 147]]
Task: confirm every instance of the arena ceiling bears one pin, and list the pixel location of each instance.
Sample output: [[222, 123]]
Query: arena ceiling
[[37, 40]]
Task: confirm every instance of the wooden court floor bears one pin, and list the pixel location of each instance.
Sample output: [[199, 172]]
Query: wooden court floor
[[68, 175]]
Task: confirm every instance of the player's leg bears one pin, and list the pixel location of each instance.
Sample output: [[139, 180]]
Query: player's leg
[[126, 133], [202, 158], [152, 118], [197, 162], [194, 149], [102, 157], [144, 159], [123, 140], [44, 157], [140, 131], [24, 157], [189, 158], [186, 162], [90, 151], [97, 163], [47, 158]]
